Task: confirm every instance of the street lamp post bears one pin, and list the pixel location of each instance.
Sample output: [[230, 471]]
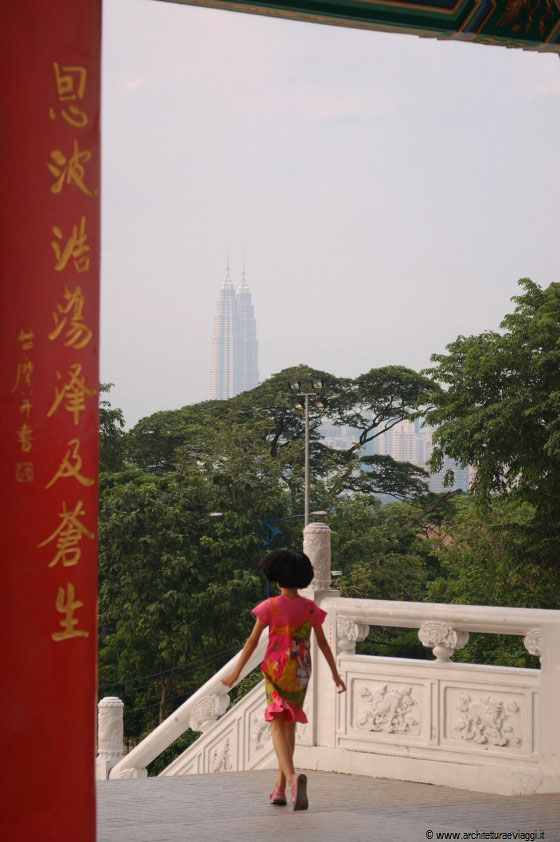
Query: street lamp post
[[320, 402]]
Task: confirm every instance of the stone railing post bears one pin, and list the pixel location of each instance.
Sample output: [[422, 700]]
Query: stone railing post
[[317, 545], [548, 647], [109, 735]]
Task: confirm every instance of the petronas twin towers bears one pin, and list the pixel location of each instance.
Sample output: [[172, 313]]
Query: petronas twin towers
[[235, 365]]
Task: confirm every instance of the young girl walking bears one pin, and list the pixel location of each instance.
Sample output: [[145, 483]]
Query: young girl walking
[[287, 662]]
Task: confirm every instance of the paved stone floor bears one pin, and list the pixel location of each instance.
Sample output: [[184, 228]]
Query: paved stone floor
[[233, 807]]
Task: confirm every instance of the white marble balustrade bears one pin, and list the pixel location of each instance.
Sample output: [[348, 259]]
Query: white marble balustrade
[[478, 727], [486, 728]]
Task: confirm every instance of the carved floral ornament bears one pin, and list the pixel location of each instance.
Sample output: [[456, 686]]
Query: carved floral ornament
[[487, 721], [207, 711], [533, 642], [349, 633], [388, 709], [442, 638]]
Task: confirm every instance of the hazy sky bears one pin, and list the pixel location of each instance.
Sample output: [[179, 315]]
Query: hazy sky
[[387, 192]]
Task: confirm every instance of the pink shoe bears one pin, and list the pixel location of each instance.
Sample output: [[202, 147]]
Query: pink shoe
[[278, 796], [298, 786]]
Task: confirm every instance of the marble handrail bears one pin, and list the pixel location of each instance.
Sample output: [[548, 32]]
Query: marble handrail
[[204, 706], [473, 618]]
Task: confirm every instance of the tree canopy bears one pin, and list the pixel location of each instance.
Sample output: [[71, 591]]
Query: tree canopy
[[500, 410], [500, 413], [112, 436], [264, 421]]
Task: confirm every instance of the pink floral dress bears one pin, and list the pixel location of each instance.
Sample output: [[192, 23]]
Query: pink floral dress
[[287, 663]]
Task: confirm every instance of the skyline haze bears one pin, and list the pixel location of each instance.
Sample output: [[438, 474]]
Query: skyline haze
[[388, 191]]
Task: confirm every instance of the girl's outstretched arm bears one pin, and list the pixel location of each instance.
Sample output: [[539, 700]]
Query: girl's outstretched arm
[[323, 645], [250, 646]]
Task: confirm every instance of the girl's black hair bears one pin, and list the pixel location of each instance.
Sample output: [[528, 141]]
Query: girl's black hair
[[288, 568]]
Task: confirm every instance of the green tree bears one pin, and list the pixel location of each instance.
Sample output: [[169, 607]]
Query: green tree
[[501, 409], [263, 420], [487, 557], [112, 437], [372, 404], [149, 565], [379, 549], [383, 553], [176, 586]]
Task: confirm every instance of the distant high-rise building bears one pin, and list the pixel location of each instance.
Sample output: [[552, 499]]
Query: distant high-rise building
[[406, 441], [234, 366], [225, 343], [248, 346], [409, 441]]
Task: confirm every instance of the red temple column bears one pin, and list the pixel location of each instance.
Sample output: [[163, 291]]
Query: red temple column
[[49, 277]]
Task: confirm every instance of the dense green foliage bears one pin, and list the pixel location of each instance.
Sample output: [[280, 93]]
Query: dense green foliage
[[263, 422], [177, 585], [500, 411], [486, 556], [112, 448]]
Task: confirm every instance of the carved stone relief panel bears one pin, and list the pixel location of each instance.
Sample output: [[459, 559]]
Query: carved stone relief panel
[[253, 728], [303, 730], [220, 755], [259, 733], [388, 708], [486, 720]]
